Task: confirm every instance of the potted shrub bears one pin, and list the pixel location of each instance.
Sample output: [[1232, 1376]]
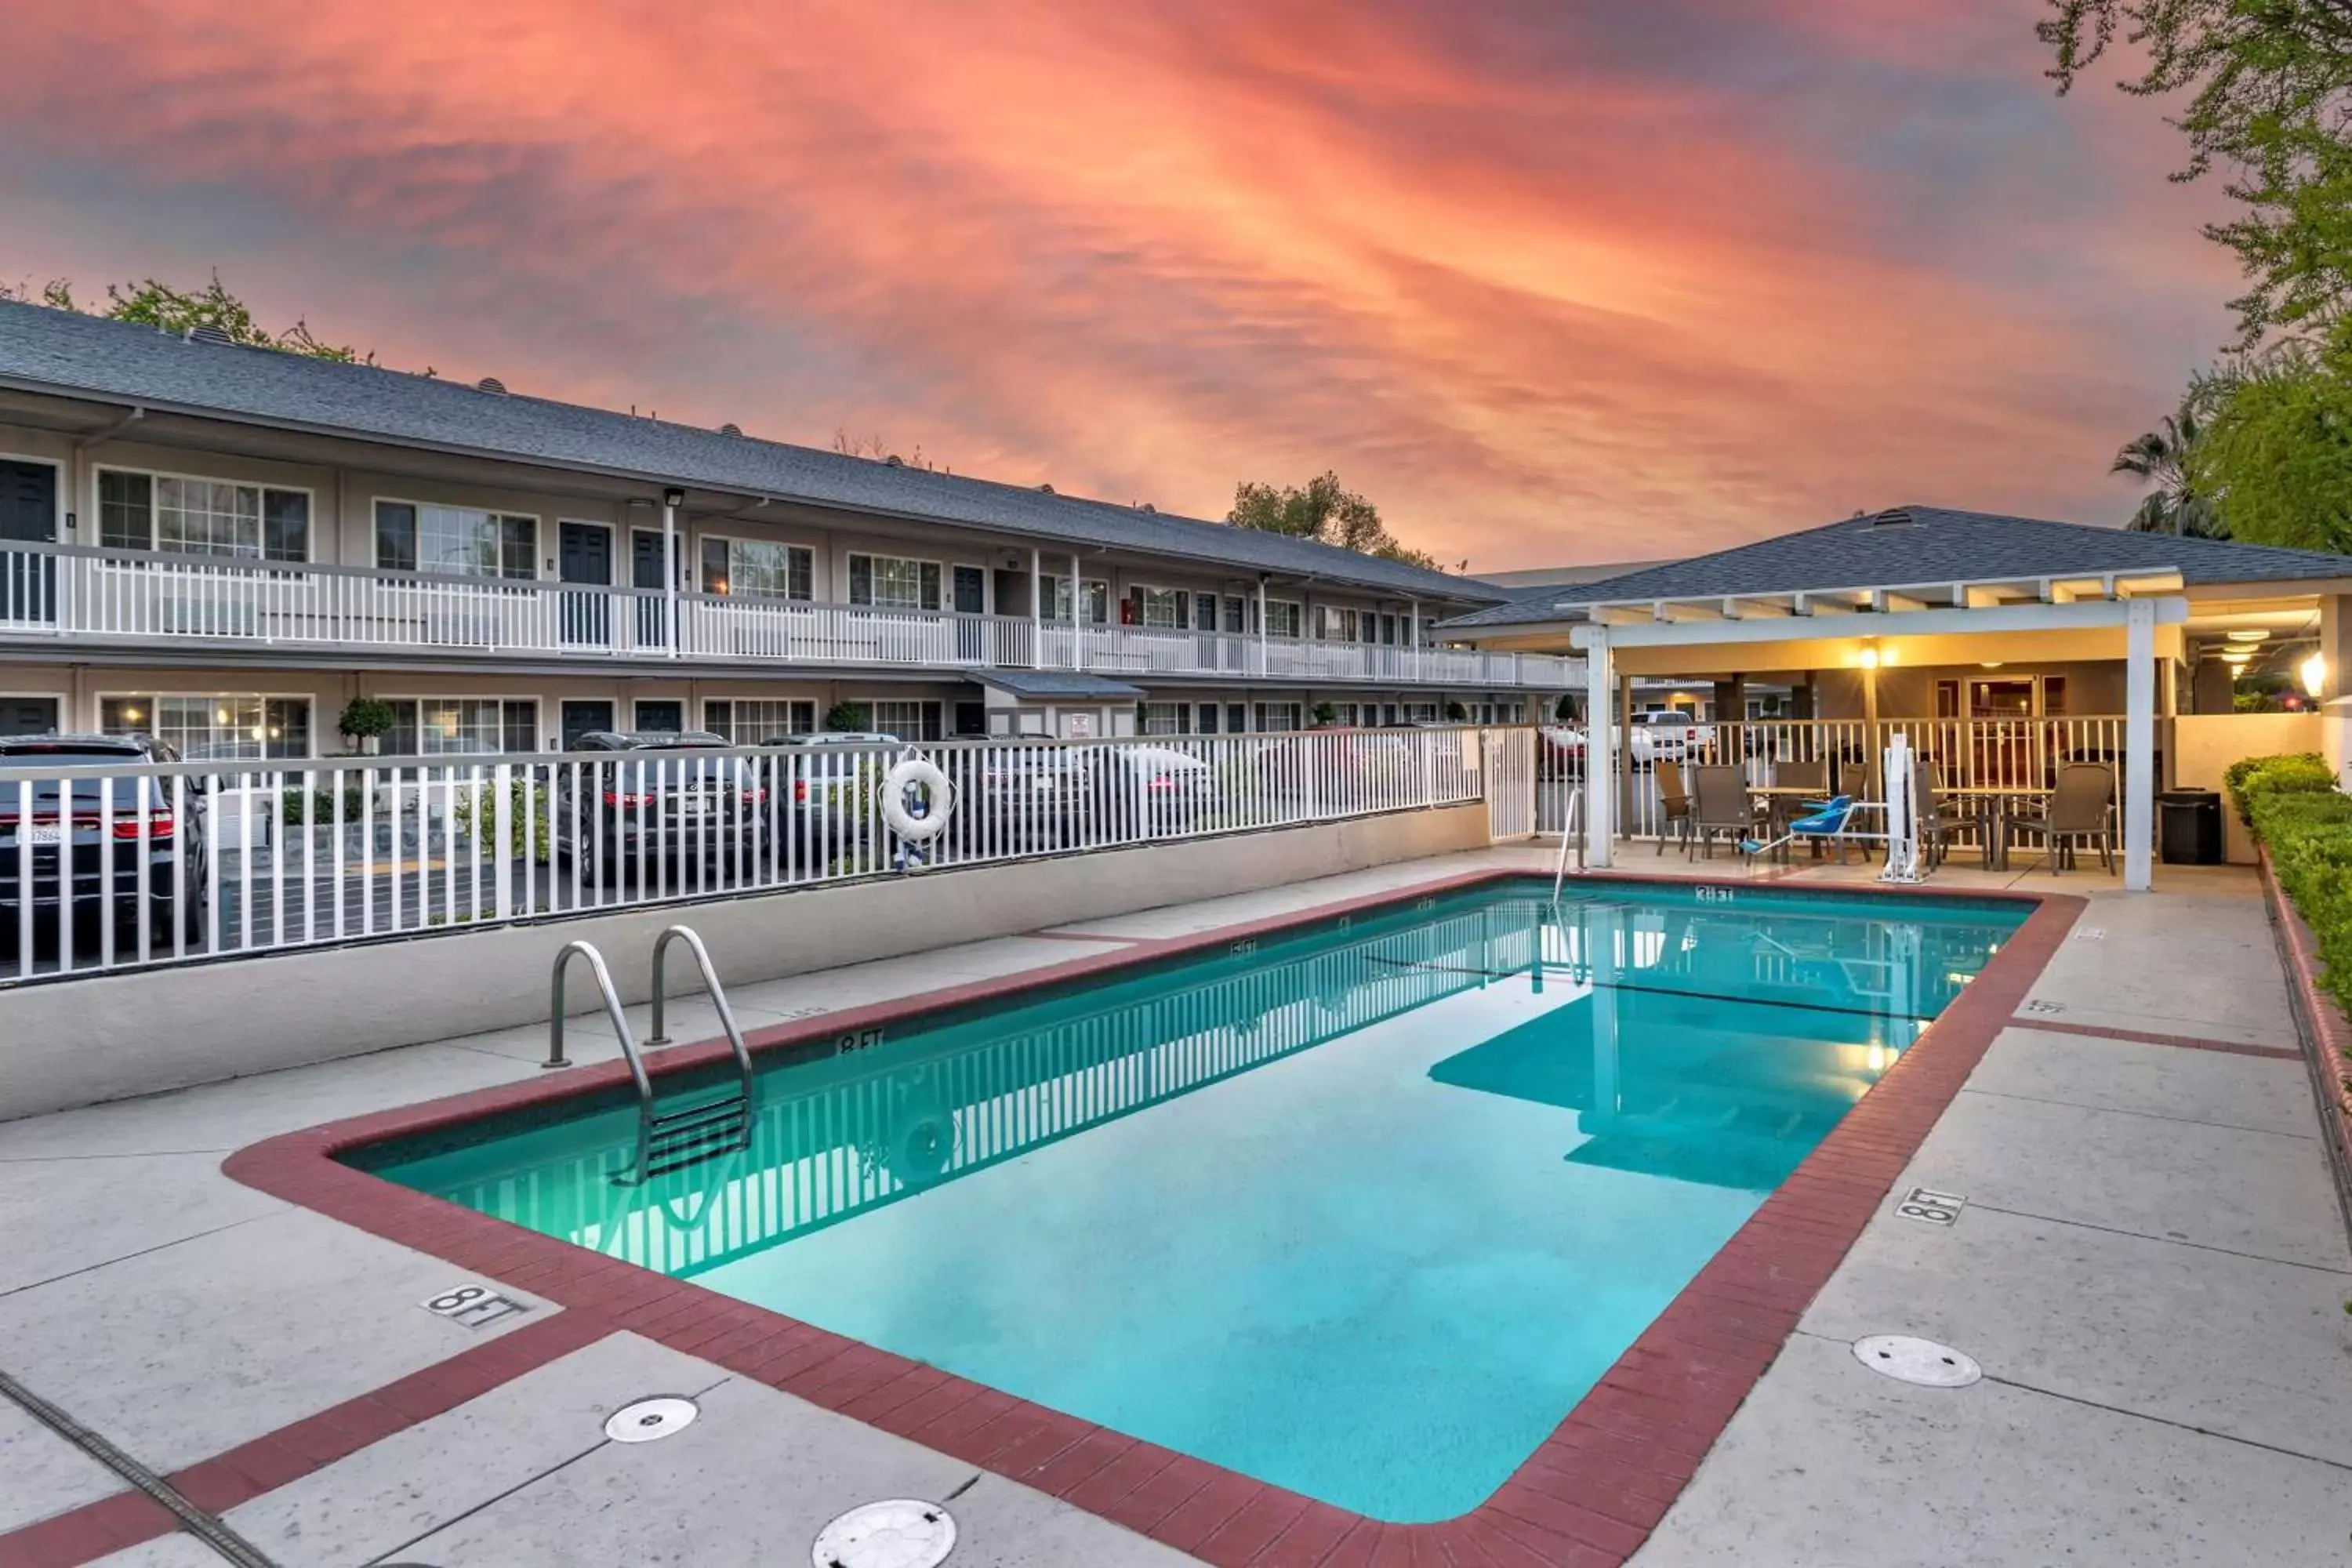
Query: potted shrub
[[365, 721], [848, 718]]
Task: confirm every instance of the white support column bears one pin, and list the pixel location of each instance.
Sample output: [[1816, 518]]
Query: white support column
[[1078, 615], [1262, 666], [1036, 609], [1599, 750], [2139, 744], [669, 570]]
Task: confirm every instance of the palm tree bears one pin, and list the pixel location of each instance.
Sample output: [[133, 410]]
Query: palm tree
[[2162, 457]]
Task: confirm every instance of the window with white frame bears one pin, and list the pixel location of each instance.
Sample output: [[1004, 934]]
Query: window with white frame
[[437, 726], [1272, 716], [908, 721], [1097, 601], [894, 583], [757, 568], [1237, 614], [1210, 713], [411, 536], [1421, 713], [748, 723], [1282, 618], [220, 725], [1161, 607], [202, 516], [1167, 718], [1204, 612]]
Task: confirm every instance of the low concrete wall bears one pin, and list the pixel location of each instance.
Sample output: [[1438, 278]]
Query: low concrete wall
[[114, 1035], [2205, 745]]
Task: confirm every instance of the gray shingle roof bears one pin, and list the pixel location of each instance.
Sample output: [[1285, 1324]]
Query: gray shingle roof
[[66, 351], [1940, 546], [1055, 683]]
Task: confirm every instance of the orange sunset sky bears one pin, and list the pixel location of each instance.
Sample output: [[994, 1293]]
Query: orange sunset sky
[[1551, 281]]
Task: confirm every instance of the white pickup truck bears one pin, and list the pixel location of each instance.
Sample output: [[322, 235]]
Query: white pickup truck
[[1656, 736]]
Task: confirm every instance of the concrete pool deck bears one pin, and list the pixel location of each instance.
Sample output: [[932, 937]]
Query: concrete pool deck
[[2151, 1266]]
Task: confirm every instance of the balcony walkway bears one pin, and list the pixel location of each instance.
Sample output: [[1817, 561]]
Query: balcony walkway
[[2151, 1267], [89, 598]]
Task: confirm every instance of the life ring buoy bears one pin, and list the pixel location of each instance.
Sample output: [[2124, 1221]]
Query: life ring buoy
[[916, 773]]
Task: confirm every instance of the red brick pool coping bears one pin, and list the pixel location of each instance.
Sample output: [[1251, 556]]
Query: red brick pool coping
[[1587, 1498]]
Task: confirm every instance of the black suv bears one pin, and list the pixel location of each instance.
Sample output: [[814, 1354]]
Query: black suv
[[672, 808], [77, 832]]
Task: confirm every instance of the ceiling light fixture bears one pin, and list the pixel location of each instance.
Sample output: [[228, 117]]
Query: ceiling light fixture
[[2246, 635], [2313, 671]]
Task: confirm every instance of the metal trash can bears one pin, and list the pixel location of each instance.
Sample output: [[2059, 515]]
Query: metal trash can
[[2191, 834]]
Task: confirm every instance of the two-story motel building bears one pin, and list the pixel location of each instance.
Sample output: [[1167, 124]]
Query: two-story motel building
[[222, 546]]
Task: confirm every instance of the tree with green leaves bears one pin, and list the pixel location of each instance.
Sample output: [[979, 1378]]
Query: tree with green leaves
[[2276, 453], [1321, 510], [2160, 458], [2268, 87], [157, 304]]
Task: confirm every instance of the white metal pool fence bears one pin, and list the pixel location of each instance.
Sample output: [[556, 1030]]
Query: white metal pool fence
[[156, 863], [1965, 757]]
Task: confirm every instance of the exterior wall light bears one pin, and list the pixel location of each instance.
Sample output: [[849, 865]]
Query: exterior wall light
[[2313, 671], [1870, 656]]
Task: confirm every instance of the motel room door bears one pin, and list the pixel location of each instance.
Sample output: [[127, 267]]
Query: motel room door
[[584, 555], [28, 515]]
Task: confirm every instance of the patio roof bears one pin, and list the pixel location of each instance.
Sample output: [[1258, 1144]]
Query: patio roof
[[1058, 683], [1914, 558]]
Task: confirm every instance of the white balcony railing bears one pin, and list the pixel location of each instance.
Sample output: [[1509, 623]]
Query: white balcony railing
[[64, 591]]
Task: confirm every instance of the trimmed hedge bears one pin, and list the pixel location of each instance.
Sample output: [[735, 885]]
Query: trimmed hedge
[[2305, 822]]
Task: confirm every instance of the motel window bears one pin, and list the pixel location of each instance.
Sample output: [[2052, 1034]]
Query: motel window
[[891, 582], [1274, 716], [205, 728], [1161, 607], [1333, 623], [1204, 612], [1167, 718], [1237, 614], [757, 569], [1421, 713], [908, 720], [460, 541], [1282, 618], [202, 516], [1209, 712], [1097, 601], [747, 723], [479, 726]]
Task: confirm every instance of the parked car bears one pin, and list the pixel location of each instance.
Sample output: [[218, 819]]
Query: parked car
[[1156, 788], [623, 811], [74, 844], [830, 775], [1670, 735], [1021, 798]]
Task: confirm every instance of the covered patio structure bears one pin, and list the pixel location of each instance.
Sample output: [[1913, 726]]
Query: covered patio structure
[[2005, 650]]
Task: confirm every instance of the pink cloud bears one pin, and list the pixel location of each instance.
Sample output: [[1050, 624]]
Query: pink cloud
[[1540, 305]]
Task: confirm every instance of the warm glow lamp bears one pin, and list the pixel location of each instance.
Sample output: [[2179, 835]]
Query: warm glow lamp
[[2313, 671], [1870, 656]]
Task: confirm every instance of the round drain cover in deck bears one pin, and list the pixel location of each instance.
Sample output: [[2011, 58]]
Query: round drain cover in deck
[[1919, 1361], [899, 1533], [650, 1419]]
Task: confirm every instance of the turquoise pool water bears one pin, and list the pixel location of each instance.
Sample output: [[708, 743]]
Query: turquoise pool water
[[1361, 1210]]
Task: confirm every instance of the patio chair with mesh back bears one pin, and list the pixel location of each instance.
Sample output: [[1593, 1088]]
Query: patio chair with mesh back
[[1722, 806], [2082, 806], [1674, 804], [1934, 822]]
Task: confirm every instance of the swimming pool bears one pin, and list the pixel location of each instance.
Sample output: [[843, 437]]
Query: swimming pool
[[1360, 1208]]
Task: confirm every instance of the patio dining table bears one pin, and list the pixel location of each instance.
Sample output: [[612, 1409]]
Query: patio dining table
[[1990, 807]]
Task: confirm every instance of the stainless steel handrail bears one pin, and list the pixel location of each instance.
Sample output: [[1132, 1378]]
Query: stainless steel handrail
[[711, 984], [612, 1009]]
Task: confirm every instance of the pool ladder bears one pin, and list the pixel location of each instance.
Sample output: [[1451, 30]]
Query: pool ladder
[[687, 1134]]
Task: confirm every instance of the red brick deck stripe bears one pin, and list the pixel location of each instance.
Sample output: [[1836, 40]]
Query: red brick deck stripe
[[277, 1458], [2139, 1038], [1586, 1498]]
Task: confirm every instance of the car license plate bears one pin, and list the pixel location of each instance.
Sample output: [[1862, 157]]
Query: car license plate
[[693, 806], [46, 832]]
